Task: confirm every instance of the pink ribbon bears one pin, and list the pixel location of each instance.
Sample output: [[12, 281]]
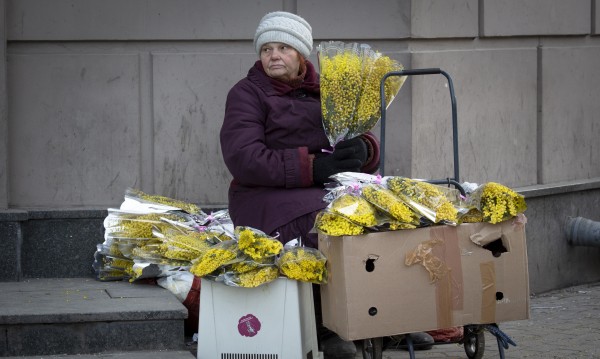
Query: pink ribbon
[[210, 217], [378, 179], [200, 228]]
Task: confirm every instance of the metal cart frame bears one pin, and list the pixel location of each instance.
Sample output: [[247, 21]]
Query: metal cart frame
[[473, 338], [433, 71]]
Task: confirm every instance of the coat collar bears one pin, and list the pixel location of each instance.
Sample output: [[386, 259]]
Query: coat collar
[[273, 87]]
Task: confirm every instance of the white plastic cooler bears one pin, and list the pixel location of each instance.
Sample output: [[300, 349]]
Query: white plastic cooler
[[274, 321]]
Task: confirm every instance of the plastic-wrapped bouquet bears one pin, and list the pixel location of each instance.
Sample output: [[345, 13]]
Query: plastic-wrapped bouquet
[[472, 215], [152, 251], [429, 200], [388, 202], [216, 256], [158, 237], [351, 74], [356, 209], [336, 225], [109, 265], [496, 202], [348, 213], [249, 264], [253, 278], [151, 199], [139, 225], [145, 269], [256, 244], [303, 264], [217, 224], [156, 232], [185, 246]]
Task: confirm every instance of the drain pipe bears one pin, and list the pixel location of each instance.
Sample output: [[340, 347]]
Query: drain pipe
[[583, 232]]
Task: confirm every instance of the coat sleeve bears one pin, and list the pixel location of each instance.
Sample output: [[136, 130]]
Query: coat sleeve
[[244, 148], [372, 163]]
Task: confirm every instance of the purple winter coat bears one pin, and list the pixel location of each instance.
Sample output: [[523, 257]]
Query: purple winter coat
[[269, 135]]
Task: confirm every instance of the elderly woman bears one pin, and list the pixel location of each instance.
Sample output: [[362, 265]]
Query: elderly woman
[[272, 140], [272, 136]]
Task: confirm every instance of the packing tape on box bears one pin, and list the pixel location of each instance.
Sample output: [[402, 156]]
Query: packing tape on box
[[488, 295], [487, 270], [424, 254], [449, 288], [441, 257]]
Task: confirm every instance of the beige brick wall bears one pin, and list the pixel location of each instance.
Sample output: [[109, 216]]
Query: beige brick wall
[[103, 95], [570, 112], [536, 17]]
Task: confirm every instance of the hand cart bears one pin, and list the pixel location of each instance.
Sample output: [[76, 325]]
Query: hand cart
[[449, 181], [473, 338]]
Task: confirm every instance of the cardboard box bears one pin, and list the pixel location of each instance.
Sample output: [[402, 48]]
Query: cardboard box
[[372, 292]]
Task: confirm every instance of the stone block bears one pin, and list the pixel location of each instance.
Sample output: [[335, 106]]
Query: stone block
[[74, 300], [134, 20], [92, 337], [444, 18], [342, 20], [80, 315], [398, 124], [10, 244], [596, 24], [569, 119], [189, 96], [497, 116], [60, 247], [79, 141], [553, 262], [10, 238], [535, 17]]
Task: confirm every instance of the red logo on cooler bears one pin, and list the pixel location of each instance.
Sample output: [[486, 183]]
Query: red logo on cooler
[[248, 325]]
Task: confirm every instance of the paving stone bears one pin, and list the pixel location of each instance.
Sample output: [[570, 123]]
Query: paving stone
[[563, 324]]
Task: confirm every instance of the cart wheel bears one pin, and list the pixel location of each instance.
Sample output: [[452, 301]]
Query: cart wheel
[[474, 342], [372, 348]]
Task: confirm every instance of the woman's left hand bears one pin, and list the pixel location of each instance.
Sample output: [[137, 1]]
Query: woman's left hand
[[358, 146]]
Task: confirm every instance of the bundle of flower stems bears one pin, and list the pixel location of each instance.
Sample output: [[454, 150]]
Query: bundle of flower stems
[[152, 236], [350, 77], [360, 204], [254, 258]]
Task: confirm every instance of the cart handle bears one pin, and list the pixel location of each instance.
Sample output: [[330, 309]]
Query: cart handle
[[432, 71]]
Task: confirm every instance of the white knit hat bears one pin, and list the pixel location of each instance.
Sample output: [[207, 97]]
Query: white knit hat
[[287, 28]]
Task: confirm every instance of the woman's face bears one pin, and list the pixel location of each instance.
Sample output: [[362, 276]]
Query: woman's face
[[280, 61]]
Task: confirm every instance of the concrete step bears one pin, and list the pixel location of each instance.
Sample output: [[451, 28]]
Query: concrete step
[[54, 316]]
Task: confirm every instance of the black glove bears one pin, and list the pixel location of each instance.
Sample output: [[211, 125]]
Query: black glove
[[358, 147], [325, 165]]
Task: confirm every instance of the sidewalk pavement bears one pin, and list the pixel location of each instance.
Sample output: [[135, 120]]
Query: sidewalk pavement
[[563, 324]]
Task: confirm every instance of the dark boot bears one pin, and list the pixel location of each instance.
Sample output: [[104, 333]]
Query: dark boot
[[420, 341], [334, 347]]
